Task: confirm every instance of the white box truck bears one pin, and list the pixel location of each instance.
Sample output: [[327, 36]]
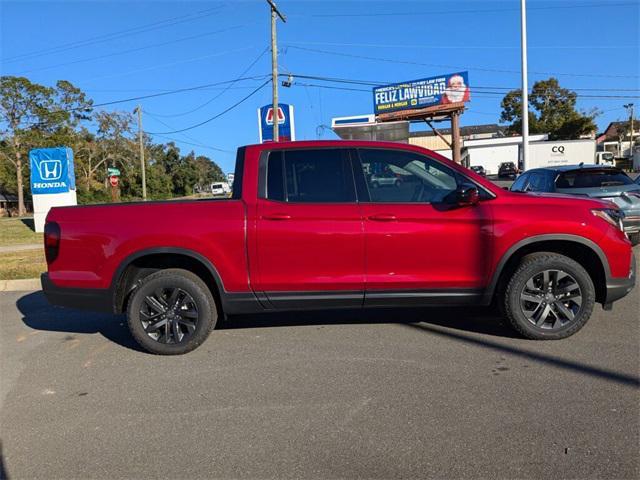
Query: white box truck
[[561, 152]]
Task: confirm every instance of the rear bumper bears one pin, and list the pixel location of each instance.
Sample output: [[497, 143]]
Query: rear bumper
[[99, 300], [620, 287]]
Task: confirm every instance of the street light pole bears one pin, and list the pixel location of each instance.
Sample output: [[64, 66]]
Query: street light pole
[[274, 65], [629, 107], [525, 86]]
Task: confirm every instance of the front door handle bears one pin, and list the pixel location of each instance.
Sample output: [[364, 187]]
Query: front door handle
[[383, 218], [277, 216]]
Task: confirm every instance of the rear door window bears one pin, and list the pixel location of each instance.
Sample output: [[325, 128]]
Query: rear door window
[[310, 176], [592, 179]]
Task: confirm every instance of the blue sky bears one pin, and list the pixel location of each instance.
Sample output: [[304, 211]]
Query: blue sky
[[153, 47]]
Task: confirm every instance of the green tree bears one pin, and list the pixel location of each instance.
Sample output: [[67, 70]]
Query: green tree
[[552, 110], [32, 115]]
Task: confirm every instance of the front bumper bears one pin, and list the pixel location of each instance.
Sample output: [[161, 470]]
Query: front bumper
[[98, 300], [620, 287], [631, 224]]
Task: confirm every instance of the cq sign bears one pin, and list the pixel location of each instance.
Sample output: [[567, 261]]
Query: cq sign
[[558, 149]]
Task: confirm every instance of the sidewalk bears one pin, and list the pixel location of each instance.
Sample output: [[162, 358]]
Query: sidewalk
[[20, 248]]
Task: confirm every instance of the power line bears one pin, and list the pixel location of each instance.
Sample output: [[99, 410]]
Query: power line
[[115, 35], [458, 12], [215, 116], [194, 144], [224, 90], [131, 50], [154, 95], [481, 92], [172, 92], [169, 64], [455, 67], [183, 134]]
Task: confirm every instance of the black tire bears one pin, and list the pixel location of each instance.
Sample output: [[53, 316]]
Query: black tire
[[188, 317], [375, 185], [566, 301], [634, 238]]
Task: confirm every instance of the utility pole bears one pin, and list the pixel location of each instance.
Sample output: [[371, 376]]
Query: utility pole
[[629, 107], [143, 165], [274, 65], [525, 86]]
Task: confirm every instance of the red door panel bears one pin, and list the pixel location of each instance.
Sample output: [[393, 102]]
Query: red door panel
[[309, 247], [424, 247]]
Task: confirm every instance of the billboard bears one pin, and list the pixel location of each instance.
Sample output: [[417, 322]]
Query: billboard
[[428, 92], [52, 170], [285, 119]]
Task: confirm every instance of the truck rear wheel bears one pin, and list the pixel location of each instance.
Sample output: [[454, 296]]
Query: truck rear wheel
[[172, 312], [549, 297]]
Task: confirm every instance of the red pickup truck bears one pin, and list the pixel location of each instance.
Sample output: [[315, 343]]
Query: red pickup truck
[[339, 224]]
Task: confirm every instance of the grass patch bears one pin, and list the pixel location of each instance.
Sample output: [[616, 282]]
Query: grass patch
[[18, 265], [16, 231]]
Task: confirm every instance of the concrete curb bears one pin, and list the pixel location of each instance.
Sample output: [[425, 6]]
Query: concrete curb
[[24, 285]]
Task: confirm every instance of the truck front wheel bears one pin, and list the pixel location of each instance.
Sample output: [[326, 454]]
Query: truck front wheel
[[549, 297], [171, 312]]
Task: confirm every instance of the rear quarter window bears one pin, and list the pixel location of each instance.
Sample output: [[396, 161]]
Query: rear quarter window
[[592, 179]]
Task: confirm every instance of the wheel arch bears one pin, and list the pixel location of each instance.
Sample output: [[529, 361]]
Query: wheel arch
[[142, 263], [584, 251]]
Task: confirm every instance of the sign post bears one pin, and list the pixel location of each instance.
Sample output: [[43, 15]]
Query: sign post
[[53, 181]]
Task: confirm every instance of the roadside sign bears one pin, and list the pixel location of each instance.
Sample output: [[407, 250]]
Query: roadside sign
[[284, 117], [113, 180], [442, 90], [113, 172]]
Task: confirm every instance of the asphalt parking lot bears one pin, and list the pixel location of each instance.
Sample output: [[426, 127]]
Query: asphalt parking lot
[[385, 394]]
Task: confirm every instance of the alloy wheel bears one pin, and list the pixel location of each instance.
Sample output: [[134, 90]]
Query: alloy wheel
[[169, 315], [551, 299]]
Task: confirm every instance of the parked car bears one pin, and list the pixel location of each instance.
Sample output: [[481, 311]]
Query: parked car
[[479, 169], [595, 181], [305, 229], [220, 188], [384, 179], [507, 169]]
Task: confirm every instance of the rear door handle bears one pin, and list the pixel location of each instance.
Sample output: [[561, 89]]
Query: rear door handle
[[383, 218], [277, 216]]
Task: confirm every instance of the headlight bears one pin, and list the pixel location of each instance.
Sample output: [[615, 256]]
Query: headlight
[[612, 216]]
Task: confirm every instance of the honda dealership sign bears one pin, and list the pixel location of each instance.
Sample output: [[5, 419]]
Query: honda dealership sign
[[53, 182], [442, 90], [52, 170], [285, 119]]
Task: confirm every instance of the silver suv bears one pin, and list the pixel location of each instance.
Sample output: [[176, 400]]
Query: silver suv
[[596, 181]]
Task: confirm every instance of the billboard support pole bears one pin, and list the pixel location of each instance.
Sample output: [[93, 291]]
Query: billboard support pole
[[525, 86], [274, 64], [455, 136]]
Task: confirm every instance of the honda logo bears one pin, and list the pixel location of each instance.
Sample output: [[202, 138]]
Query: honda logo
[[50, 169]]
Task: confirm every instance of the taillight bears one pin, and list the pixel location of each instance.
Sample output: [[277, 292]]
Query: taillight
[[51, 241]]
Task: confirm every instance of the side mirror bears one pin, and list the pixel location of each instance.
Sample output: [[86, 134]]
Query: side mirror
[[467, 195]]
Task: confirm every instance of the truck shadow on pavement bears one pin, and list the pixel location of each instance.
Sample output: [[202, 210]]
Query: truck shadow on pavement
[[469, 319], [40, 315], [458, 324]]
